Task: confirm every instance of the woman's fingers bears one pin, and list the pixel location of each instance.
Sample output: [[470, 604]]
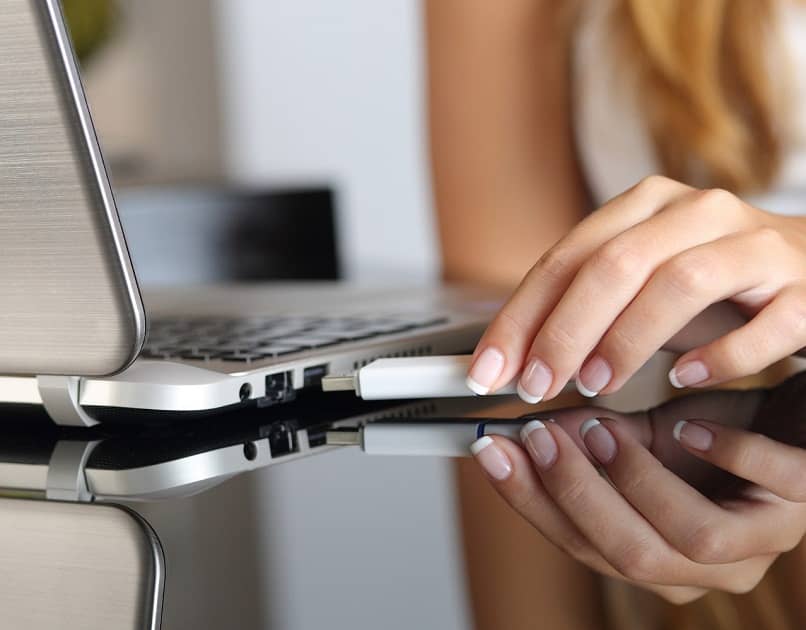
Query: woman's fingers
[[624, 538], [643, 523], [778, 467], [776, 332], [681, 288], [609, 281], [701, 530], [633, 275], [500, 354], [513, 476]]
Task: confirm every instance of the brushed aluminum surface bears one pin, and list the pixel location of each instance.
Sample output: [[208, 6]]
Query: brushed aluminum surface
[[72, 565], [68, 299]]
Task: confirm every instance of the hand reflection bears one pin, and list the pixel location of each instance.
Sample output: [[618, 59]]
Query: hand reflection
[[710, 511]]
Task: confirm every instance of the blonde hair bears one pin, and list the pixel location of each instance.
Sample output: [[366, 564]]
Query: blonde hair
[[703, 74]]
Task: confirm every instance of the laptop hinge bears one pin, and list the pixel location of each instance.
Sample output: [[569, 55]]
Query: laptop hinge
[[60, 397], [67, 480]]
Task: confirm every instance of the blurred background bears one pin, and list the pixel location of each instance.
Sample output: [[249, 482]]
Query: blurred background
[[270, 94], [221, 118]]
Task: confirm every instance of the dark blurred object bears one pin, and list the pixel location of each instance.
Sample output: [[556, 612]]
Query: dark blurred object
[[91, 23], [187, 235]]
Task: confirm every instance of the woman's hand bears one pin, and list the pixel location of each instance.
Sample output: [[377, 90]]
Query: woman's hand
[[634, 274], [664, 518]]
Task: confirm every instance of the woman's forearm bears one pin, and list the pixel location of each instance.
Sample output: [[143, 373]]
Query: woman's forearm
[[506, 181]]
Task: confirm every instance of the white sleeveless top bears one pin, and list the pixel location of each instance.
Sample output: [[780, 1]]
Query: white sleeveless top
[[612, 140]]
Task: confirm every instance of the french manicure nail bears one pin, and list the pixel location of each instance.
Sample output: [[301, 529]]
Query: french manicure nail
[[535, 381], [594, 377], [689, 374], [600, 442], [693, 435], [485, 371], [540, 444], [492, 459]]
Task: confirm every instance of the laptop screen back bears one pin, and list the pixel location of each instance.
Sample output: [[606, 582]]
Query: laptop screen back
[[69, 303]]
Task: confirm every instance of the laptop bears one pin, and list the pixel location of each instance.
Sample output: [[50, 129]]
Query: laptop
[[77, 335], [177, 460], [146, 462]]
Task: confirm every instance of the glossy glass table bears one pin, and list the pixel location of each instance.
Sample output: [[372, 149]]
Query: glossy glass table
[[72, 556]]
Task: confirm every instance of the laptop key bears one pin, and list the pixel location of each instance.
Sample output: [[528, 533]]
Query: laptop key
[[261, 338], [389, 329], [165, 349], [359, 333], [194, 355], [277, 350], [227, 348], [201, 342], [242, 357], [421, 321], [311, 341]]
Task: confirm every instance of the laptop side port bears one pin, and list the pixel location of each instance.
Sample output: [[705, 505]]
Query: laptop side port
[[278, 390], [312, 376], [282, 439], [317, 436]]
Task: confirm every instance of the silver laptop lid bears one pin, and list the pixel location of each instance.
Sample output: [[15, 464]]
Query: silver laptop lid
[[69, 302]]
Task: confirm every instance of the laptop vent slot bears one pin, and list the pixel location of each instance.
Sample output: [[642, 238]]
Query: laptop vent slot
[[417, 351]]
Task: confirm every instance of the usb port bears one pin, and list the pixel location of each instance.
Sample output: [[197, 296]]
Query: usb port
[[282, 439], [317, 436], [278, 389], [312, 376]]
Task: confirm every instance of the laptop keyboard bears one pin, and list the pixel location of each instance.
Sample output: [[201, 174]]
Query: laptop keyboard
[[255, 339]]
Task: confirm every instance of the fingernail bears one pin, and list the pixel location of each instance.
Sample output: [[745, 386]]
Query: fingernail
[[689, 374], [693, 435], [485, 371], [540, 444], [600, 442], [492, 459], [594, 377], [535, 381]]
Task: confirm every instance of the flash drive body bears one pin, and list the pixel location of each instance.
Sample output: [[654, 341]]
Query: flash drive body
[[423, 377], [437, 439]]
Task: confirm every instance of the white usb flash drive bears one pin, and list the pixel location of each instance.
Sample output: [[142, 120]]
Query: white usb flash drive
[[410, 377], [436, 438]]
